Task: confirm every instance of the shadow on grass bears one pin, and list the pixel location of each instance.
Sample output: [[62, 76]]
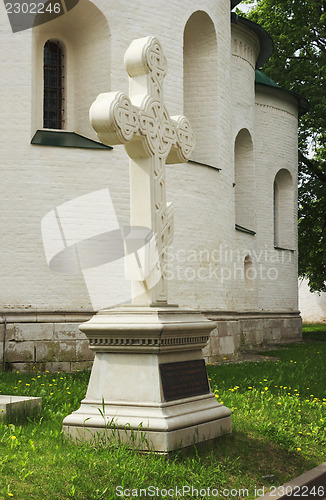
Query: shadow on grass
[[315, 332], [242, 454]]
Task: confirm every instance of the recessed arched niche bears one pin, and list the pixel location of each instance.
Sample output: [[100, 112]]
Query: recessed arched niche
[[284, 210], [249, 273], [200, 84], [244, 180]]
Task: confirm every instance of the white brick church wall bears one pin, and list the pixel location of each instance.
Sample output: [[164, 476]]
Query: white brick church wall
[[40, 309]]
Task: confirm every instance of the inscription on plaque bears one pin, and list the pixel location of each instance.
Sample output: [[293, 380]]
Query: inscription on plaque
[[184, 379]]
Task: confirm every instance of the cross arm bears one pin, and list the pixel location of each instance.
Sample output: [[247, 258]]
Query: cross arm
[[114, 118], [185, 143]]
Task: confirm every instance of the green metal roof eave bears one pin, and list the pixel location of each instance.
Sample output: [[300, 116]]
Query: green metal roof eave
[[265, 40], [265, 81], [61, 138], [261, 77]]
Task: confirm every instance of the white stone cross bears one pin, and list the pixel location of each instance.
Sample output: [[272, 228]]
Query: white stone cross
[[151, 138]]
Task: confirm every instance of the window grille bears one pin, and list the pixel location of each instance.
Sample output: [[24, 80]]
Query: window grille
[[53, 102]]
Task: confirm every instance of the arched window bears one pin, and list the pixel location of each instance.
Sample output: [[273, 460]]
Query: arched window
[[53, 77], [71, 66], [200, 84], [244, 178], [284, 210]]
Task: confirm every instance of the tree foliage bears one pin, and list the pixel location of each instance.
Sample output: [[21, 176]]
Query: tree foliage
[[298, 28]]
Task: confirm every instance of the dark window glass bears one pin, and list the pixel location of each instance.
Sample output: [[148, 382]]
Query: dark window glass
[[53, 102]]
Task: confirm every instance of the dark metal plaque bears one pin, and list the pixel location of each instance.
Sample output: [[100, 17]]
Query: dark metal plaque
[[184, 379]]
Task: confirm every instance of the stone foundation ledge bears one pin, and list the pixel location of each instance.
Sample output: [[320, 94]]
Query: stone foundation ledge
[[51, 367], [44, 347], [61, 346], [15, 408], [236, 332]]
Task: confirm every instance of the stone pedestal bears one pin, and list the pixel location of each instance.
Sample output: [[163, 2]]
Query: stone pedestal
[[148, 383]]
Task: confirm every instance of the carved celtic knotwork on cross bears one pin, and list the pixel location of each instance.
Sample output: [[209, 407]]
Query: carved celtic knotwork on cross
[[151, 138]]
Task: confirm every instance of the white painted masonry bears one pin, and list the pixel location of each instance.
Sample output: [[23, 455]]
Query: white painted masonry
[[312, 305], [246, 135]]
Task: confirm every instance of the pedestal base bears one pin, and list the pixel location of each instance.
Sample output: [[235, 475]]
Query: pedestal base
[[148, 386], [160, 428]]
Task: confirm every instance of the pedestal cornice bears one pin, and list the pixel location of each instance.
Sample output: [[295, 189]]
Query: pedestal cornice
[[147, 329]]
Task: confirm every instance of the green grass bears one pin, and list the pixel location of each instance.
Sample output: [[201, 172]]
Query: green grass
[[279, 430], [315, 332]]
